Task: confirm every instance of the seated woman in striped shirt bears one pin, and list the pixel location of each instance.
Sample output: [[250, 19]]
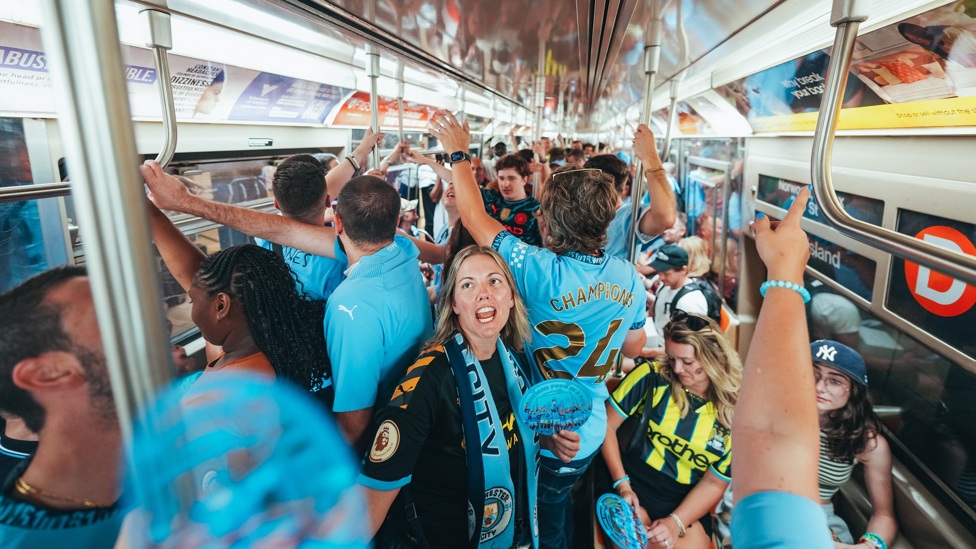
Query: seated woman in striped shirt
[[849, 434]]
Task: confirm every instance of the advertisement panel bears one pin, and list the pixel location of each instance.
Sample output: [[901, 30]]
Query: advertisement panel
[[202, 90], [920, 72], [940, 305], [355, 112]]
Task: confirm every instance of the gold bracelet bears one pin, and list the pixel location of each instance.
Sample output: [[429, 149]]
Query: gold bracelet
[[681, 526], [652, 170]]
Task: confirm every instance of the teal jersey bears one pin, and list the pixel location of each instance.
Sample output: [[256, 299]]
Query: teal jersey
[[316, 277], [580, 308], [24, 524]]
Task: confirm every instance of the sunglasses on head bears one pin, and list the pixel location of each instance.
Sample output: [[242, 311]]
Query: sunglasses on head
[[564, 172], [694, 322]]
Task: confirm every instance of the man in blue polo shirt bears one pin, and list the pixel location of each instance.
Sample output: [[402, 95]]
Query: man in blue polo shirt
[[377, 319], [53, 376]]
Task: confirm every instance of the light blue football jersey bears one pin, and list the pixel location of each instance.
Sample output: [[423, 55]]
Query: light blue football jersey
[[315, 276], [618, 233], [580, 308]]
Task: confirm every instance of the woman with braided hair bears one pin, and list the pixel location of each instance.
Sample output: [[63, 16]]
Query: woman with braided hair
[[245, 302]]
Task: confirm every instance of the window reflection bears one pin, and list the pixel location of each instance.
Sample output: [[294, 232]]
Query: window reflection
[[22, 249]]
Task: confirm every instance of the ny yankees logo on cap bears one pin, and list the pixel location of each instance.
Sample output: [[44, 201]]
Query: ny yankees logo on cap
[[827, 352], [840, 356]]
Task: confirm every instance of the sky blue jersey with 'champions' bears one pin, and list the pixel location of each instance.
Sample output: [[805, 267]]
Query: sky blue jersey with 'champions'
[[580, 308]]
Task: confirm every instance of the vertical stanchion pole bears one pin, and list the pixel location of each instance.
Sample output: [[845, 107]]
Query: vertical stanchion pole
[[652, 59], [540, 104], [561, 112], [373, 71], [82, 46], [401, 85], [725, 228]]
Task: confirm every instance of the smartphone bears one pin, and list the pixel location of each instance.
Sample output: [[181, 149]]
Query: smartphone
[[440, 157]]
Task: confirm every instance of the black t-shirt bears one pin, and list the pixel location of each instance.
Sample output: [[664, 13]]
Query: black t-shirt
[[13, 451], [419, 433]]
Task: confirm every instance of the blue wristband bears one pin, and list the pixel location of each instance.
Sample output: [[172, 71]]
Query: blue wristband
[[784, 284], [620, 481]]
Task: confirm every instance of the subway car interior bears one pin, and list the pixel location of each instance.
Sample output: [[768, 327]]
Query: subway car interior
[[872, 105]]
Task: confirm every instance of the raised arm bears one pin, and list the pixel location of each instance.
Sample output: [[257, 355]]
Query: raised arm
[[169, 194], [434, 254], [471, 207], [341, 174], [391, 158], [776, 424], [181, 256], [442, 171], [663, 210]]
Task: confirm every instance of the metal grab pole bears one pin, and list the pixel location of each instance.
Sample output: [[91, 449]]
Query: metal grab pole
[[725, 230], [34, 192], [161, 41], [652, 59], [373, 71], [847, 16], [666, 149], [401, 89], [540, 104], [81, 41]]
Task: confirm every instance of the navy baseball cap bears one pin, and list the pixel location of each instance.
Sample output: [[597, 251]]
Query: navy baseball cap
[[670, 256], [840, 356]]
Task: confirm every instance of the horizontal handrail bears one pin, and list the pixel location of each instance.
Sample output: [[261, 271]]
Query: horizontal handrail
[[34, 192], [957, 265], [710, 163]]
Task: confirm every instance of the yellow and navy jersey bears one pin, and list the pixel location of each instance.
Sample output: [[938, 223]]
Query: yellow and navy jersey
[[681, 448]]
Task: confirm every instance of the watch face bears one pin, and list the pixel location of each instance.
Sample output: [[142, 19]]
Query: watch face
[[459, 156]]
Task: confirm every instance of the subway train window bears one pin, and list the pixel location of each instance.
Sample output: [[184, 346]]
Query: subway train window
[[31, 239], [926, 402]]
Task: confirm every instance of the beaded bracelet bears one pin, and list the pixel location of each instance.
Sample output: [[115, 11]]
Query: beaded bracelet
[[620, 481], [787, 285], [873, 539]]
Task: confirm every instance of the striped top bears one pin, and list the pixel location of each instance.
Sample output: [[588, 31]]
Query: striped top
[[682, 448], [833, 474]]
